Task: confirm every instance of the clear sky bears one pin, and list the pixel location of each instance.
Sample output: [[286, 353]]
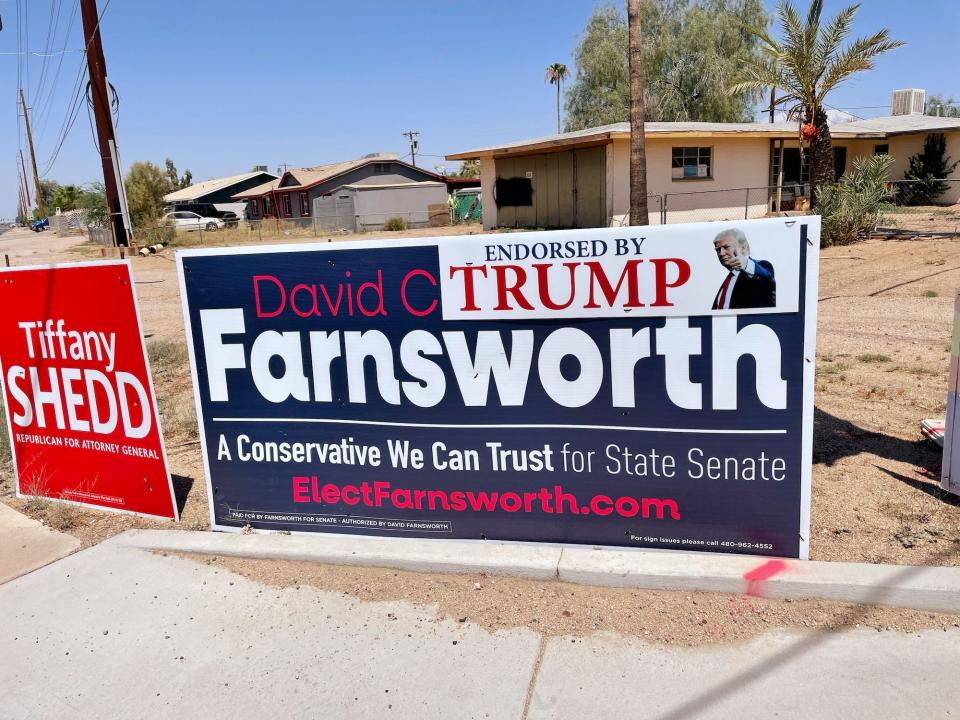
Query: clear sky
[[222, 85]]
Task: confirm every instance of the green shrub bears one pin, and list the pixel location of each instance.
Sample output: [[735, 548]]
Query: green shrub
[[926, 173], [395, 223], [851, 208]]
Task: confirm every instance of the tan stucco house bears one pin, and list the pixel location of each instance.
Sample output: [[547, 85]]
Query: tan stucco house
[[695, 170]]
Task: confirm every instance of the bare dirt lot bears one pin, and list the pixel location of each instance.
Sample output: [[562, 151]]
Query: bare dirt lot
[[885, 318]]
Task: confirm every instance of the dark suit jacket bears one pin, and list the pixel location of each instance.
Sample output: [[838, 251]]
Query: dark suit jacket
[[758, 291]]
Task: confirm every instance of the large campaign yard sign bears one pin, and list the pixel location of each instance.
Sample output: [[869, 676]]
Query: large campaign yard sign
[[78, 393], [646, 387]]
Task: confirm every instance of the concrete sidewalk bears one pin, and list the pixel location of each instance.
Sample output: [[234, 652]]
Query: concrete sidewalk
[[119, 632], [26, 545]]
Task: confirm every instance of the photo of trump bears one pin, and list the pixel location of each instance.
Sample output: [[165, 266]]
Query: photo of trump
[[750, 283]]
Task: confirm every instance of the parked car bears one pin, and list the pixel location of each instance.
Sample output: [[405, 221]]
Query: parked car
[[206, 210], [40, 225], [189, 221]]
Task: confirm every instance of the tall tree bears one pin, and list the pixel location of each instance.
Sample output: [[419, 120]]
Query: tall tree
[[469, 169], [942, 106], [638, 150], [692, 51], [176, 181], [66, 197], [556, 74], [48, 188], [805, 65], [146, 185]]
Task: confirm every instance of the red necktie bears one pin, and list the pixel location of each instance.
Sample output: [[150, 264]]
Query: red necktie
[[722, 297]]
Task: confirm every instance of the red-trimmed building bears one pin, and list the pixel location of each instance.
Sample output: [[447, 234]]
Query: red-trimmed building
[[291, 196]]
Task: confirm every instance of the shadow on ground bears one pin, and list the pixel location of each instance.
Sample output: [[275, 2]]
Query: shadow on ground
[[930, 488], [182, 486], [704, 700], [835, 438]]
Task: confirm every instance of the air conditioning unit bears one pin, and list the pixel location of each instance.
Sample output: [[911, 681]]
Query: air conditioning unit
[[911, 101], [259, 168]]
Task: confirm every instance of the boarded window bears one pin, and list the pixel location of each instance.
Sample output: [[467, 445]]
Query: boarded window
[[514, 192], [691, 163]]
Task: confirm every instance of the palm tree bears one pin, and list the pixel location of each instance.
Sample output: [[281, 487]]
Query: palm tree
[[556, 74], [805, 66], [638, 148]]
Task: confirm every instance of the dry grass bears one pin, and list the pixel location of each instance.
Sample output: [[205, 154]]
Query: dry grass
[[38, 504], [6, 458], [166, 355], [169, 361]]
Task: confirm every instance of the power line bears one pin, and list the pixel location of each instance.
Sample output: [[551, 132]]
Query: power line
[[45, 103], [52, 26], [37, 53], [74, 107]]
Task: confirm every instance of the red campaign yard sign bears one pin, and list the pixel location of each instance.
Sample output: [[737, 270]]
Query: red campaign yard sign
[[78, 394]]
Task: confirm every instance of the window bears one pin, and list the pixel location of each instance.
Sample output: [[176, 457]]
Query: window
[[794, 170], [381, 168], [881, 149], [304, 205], [268, 206], [839, 163], [513, 192], [287, 205], [692, 163], [255, 206]]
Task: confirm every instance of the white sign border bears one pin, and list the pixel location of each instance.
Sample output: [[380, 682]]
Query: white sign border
[[153, 396], [810, 303]]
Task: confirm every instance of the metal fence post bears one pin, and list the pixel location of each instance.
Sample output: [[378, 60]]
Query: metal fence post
[[663, 209], [746, 205]]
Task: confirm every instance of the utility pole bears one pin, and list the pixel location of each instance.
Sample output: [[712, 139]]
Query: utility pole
[[21, 213], [23, 207], [106, 133], [33, 158], [23, 178], [414, 145]]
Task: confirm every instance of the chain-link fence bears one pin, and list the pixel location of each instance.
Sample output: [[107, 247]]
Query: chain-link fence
[[323, 225], [718, 205], [733, 203], [923, 206]]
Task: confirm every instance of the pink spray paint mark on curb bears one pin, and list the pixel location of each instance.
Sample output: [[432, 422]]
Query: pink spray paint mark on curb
[[761, 573]]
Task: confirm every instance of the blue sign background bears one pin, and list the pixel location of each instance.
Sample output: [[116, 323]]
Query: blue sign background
[[726, 515]]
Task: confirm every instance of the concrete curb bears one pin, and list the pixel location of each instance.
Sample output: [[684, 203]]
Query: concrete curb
[[918, 587], [537, 562]]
